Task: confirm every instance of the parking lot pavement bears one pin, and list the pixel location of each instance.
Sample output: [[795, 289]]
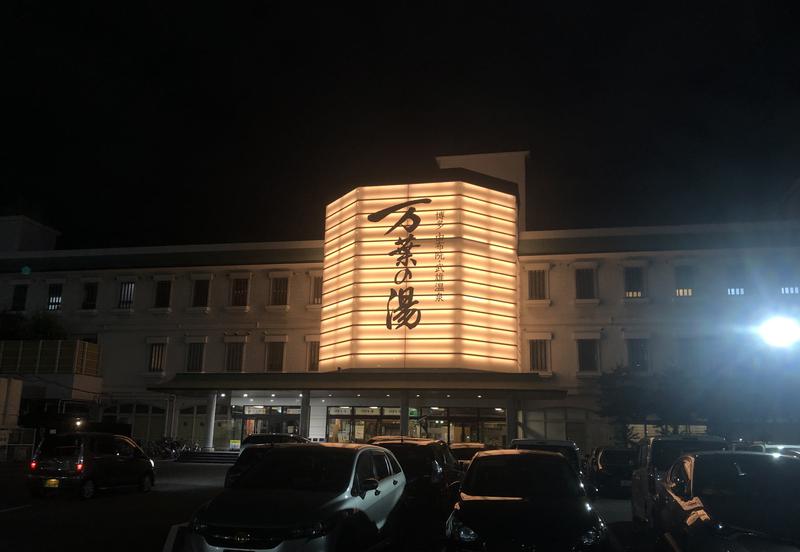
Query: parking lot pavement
[[118, 520]]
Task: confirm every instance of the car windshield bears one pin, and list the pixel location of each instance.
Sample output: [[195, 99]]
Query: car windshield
[[521, 475], [748, 476], [616, 457], [568, 452], [414, 459], [301, 468], [60, 446], [666, 452], [464, 453]]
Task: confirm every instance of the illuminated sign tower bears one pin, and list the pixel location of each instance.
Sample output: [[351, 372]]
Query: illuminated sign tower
[[420, 276]]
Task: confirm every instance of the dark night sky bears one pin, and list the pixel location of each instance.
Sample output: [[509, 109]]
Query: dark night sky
[[238, 122]]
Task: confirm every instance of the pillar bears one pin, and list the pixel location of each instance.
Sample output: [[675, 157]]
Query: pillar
[[211, 413], [305, 413], [404, 413], [511, 420]]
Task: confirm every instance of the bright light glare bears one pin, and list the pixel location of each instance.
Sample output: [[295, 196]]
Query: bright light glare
[[780, 331]]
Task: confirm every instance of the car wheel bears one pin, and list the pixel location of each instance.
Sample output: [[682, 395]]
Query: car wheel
[[88, 489], [146, 483]]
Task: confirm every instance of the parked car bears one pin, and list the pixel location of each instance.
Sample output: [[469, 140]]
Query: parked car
[[319, 496], [86, 462], [465, 451], [246, 460], [568, 449], [764, 447], [523, 500], [430, 469], [611, 468], [271, 439], [653, 457], [730, 501]]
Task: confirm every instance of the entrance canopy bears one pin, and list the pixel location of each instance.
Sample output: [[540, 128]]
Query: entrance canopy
[[522, 385]]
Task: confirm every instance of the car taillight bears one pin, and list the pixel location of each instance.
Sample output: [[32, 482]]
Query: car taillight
[[33, 464], [79, 466]]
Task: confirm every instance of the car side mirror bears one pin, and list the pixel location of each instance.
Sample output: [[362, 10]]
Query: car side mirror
[[369, 484]]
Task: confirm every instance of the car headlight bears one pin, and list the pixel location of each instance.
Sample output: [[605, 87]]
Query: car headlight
[[458, 531]]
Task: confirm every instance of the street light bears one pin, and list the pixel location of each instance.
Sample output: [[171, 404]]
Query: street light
[[780, 331]]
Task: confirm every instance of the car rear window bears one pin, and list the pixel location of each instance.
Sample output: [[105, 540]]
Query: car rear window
[[617, 457], [666, 452], [263, 439], [521, 475], [414, 459], [60, 446], [567, 452]]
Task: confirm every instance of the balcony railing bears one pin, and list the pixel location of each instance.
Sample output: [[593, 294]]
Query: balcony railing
[[50, 357]]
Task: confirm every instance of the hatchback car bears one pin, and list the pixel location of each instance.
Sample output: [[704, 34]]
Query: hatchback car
[[271, 439], [317, 496], [523, 500], [730, 501], [653, 457], [431, 470], [85, 462]]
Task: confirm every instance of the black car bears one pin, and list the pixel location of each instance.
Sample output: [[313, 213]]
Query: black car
[[85, 462], [247, 459], [730, 501], [523, 501], [431, 470], [611, 470]]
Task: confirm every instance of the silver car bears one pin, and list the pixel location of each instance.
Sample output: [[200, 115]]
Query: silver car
[[310, 497]]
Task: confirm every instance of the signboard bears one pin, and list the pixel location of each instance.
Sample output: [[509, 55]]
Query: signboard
[[420, 276]]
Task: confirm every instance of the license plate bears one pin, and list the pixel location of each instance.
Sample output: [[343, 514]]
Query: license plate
[[625, 483], [51, 483]]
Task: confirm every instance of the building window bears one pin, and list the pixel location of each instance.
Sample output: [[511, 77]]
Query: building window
[[313, 356], [194, 357], [588, 355], [89, 296], [316, 290], [736, 280], [790, 290], [275, 356], [54, 296], [163, 294], [539, 350], [239, 291], [126, 293], [585, 283], [634, 282], [20, 297], [200, 293], [279, 291], [234, 357], [684, 281], [637, 355], [537, 285], [157, 357]]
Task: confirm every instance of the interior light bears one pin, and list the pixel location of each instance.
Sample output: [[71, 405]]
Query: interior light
[[780, 331], [272, 395], [222, 395], [244, 395]]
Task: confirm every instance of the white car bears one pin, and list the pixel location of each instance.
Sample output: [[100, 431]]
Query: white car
[[310, 497]]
